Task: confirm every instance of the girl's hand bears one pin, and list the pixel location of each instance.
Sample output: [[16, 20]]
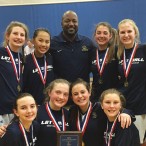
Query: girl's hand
[[2, 130], [125, 120]]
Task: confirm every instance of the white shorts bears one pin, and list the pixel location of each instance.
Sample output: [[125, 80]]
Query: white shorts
[[5, 119], [140, 123]]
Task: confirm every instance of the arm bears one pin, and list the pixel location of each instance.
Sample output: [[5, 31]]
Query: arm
[[10, 138], [127, 137]]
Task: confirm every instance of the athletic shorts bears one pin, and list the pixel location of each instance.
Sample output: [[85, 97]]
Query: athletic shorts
[[5, 119], [140, 123]]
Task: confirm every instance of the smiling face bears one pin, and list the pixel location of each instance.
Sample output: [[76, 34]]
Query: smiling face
[[59, 96], [102, 36], [41, 43], [80, 96], [26, 109], [127, 34], [111, 105], [16, 38], [70, 23]]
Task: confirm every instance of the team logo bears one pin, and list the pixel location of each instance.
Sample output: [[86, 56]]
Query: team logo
[[94, 115], [84, 49]]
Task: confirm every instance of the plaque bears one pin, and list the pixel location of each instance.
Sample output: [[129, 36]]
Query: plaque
[[69, 138]]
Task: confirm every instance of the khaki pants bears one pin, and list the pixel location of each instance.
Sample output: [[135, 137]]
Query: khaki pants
[[140, 123]]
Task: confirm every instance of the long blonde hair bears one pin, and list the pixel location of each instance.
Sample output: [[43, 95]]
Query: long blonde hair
[[9, 30], [137, 38]]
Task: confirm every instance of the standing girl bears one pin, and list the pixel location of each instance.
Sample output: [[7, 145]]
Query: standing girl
[[23, 130], [104, 62], [15, 37], [52, 116], [132, 69], [38, 69], [113, 102]]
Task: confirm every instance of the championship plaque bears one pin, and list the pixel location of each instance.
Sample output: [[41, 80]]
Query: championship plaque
[[69, 138]]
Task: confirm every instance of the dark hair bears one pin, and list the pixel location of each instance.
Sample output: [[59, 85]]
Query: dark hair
[[35, 34], [21, 95], [74, 111], [111, 91], [79, 81], [50, 87]]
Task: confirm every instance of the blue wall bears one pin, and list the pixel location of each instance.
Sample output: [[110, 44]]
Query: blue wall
[[90, 13]]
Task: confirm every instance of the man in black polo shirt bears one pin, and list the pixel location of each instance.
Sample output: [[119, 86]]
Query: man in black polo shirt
[[71, 51]]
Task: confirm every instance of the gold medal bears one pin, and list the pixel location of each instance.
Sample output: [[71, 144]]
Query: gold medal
[[19, 88], [44, 90], [83, 144], [126, 83], [100, 81]]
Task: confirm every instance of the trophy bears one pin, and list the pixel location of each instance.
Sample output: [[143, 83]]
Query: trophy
[[69, 138]]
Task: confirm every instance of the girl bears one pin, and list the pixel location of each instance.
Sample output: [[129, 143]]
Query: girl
[[104, 62], [38, 69], [23, 129], [132, 68], [15, 37], [112, 102], [85, 116], [52, 116]]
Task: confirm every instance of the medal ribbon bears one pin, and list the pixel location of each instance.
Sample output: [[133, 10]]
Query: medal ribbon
[[24, 134], [112, 129], [17, 71], [43, 78], [101, 68], [53, 119], [128, 67], [83, 128]]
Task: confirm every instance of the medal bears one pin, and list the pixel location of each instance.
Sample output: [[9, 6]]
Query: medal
[[83, 144], [101, 65], [126, 83], [82, 127], [22, 129], [127, 65], [56, 125], [19, 88], [44, 90], [17, 70], [100, 81], [108, 136], [42, 77]]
